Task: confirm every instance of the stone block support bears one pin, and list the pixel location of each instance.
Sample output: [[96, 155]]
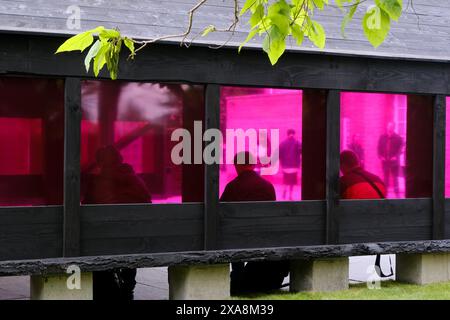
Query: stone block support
[[423, 268], [199, 282], [319, 275], [56, 287]]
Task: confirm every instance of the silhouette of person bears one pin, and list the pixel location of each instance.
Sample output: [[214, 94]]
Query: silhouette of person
[[390, 147], [357, 148], [357, 183], [290, 153], [249, 186], [116, 183]]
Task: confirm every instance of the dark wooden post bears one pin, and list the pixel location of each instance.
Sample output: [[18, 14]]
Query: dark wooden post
[[439, 167], [419, 147], [211, 199], [71, 232], [314, 140], [332, 165]]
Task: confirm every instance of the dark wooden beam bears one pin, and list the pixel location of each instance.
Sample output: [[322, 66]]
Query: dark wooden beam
[[439, 127], [385, 220], [332, 165], [34, 54], [211, 199], [31, 232], [141, 228], [271, 224], [71, 234], [99, 263]]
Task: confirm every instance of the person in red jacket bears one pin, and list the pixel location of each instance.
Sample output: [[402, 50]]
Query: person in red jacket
[[357, 183]]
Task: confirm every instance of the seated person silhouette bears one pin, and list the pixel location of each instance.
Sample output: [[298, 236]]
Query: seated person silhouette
[[116, 183], [357, 183], [249, 186]]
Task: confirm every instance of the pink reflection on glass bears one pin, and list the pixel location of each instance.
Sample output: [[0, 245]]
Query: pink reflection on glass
[[366, 119], [447, 150], [137, 119], [31, 141], [258, 109]]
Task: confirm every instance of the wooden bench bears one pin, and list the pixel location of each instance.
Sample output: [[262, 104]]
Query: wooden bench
[[205, 274]]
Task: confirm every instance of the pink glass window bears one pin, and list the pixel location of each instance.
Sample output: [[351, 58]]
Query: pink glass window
[[31, 141], [391, 135], [126, 142], [266, 116], [447, 150]]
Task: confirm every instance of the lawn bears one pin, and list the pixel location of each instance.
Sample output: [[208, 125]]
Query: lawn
[[389, 290]]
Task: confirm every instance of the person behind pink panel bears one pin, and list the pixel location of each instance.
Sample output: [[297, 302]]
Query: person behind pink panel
[[117, 183], [357, 183], [390, 147], [290, 154], [249, 186]]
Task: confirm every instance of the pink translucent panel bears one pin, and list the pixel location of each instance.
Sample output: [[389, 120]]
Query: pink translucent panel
[[259, 110], [31, 141], [137, 120], [447, 150], [364, 120]]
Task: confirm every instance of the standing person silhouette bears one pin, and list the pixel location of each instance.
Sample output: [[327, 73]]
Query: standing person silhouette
[[249, 186], [390, 147], [117, 183]]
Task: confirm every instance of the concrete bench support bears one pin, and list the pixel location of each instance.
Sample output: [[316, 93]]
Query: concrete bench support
[[319, 275], [55, 287], [423, 268], [199, 282]]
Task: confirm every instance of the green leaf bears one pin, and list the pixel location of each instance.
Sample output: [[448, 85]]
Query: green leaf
[[250, 36], [129, 43], [349, 16], [319, 4], [279, 14], [100, 58], [298, 34], [91, 54], [109, 34], [247, 5], [376, 24], [208, 30], [112, 59], [80, 41], [317, 34], [257, 16], [274, 45], [392, 7]]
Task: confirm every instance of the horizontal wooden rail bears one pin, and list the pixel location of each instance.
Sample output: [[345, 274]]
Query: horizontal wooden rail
[[98, 263]]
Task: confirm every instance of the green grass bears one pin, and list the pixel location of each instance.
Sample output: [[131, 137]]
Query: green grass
[[389, 290]]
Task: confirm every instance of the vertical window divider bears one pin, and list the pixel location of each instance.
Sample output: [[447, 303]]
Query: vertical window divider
[[72, 129], [439, 125], [211, 196], [332, 166]]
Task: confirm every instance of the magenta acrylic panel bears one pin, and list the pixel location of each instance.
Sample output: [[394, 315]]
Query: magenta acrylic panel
[[365, 118], [262, 111], [31, 141], [128, 127], [447, 150]]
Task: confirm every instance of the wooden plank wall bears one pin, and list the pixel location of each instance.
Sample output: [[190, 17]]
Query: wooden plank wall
[[422, 31]]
